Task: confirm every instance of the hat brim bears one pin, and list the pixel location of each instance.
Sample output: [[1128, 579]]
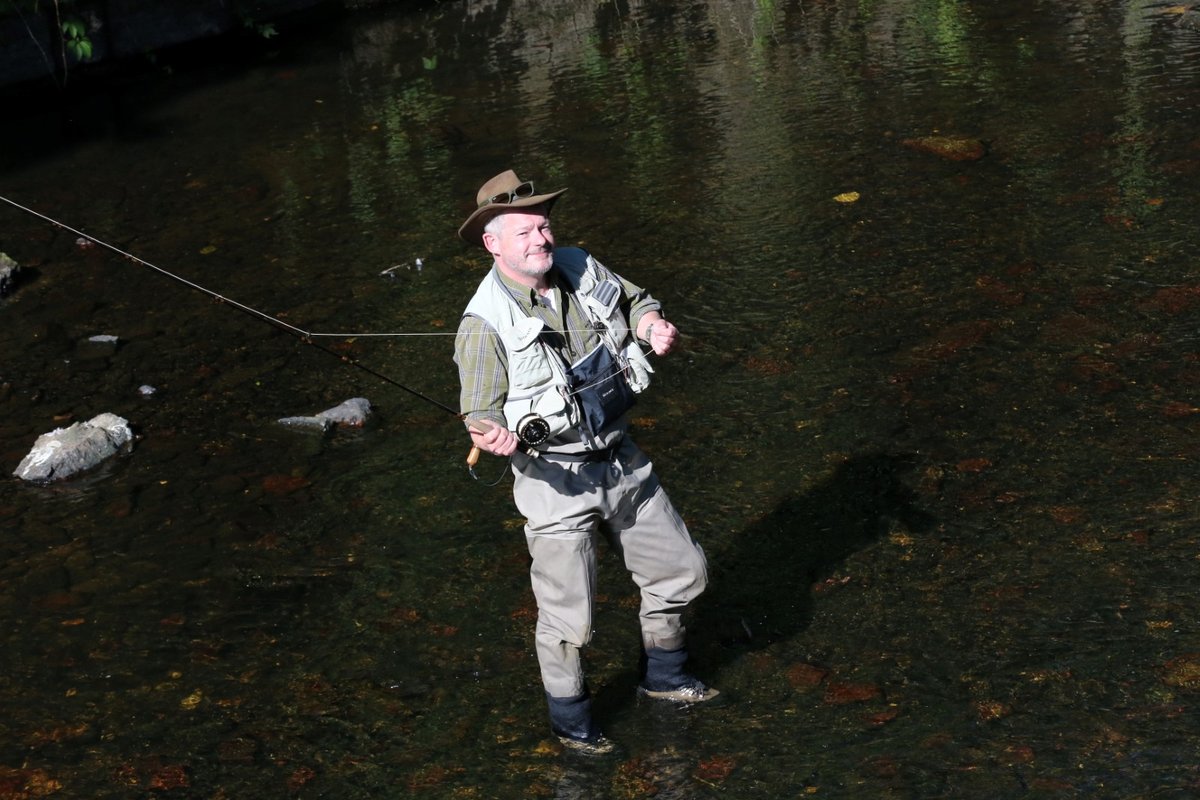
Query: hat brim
[[472, 230]]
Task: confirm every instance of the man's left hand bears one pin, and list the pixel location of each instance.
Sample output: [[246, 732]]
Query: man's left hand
[[661, 336]]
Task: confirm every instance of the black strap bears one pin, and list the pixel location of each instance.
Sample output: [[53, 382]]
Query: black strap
[[586, 456]]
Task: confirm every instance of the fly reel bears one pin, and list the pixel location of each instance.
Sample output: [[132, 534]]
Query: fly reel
[[533, 430]]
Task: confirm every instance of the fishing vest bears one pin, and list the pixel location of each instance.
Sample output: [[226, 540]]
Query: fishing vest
[[538, 377]]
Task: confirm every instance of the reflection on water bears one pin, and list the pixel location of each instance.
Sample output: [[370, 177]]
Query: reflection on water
[[937, 442]]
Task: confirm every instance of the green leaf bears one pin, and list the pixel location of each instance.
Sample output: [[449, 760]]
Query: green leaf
[[73, 29], [429, 62]]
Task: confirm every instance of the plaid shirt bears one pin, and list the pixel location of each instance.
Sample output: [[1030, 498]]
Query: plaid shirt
[[479, 353]]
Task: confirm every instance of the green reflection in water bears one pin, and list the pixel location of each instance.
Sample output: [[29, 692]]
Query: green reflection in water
[[1134, 170]]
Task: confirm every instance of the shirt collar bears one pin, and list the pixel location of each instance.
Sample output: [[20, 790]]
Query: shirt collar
[[524, 294]]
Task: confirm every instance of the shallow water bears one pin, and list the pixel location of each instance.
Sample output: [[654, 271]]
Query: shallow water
[[937, 442]]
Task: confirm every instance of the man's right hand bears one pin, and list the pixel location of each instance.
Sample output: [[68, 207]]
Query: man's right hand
[[497, 440]]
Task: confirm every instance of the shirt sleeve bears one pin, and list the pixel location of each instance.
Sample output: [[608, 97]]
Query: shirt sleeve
[[640, 302], [482, 370], [636, 300]]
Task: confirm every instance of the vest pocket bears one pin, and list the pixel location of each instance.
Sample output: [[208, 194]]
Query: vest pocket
[[527, 363]]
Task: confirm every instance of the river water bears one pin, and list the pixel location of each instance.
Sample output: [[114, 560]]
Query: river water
[[934, 419]]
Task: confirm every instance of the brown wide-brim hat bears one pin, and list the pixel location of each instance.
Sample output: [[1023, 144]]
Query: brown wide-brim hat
[[505, 192]]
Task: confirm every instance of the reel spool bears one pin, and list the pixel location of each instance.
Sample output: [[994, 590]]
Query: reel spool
[[533, 430]]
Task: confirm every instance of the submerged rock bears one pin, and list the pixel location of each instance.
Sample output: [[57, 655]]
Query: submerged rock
[[66, 451], [8, 274], [1186, 16], [954, 148]]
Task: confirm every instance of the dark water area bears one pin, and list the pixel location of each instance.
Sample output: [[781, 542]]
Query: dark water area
[[934, 421]]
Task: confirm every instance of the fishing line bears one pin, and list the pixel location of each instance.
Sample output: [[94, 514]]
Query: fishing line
[[299, 333]]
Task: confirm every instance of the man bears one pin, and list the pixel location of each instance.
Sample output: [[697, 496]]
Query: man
[[549, 365]]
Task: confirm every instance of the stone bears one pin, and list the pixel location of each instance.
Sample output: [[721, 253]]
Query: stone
[[316, 423], [66, 451], [8, 274], [352, 413]]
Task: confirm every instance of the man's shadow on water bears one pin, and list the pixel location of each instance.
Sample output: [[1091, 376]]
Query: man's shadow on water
[[762, 583], [762, 578]]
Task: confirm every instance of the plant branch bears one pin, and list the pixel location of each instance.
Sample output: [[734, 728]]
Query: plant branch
[[33, 37]]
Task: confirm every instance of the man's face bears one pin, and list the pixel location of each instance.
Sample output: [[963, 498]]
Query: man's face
[[523, 245]]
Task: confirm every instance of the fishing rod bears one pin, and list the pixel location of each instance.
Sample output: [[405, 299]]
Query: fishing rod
[[305, 336]]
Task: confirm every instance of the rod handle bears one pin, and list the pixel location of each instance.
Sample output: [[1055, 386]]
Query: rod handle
[[473, 457]]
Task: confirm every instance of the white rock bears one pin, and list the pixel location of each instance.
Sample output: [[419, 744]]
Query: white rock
[[353, 412], [66, 451], [317, 423]]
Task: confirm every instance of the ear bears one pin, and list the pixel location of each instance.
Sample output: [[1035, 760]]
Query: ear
[[490, 243]]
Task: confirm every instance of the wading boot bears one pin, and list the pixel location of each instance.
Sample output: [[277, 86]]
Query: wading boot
[[664, 678], [571, 721]]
